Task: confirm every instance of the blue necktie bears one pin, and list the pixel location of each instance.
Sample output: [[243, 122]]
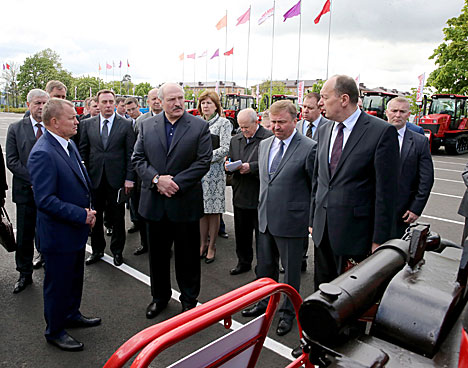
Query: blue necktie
[[277, 159], [105, 133]]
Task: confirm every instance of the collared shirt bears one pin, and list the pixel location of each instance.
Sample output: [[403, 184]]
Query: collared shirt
[[34, 122], [275, 146], [253, 135], [170, 131], [63, 142], [349, 124], [401, 136], [306, 124], [110, 122]]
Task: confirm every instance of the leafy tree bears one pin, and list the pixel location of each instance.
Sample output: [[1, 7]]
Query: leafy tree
[[428, 91], [142, 89], [451, 56], [40, 68], [278, 88], [317, 86], [83, 84], [10, 84]]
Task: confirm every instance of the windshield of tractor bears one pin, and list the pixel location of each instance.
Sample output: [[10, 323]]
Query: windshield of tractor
[[372, 103], [232, 103], [442, 106]]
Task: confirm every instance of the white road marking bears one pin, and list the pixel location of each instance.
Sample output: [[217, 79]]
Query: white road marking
[[450, 163], [453, 181], [273, 345], [457, 171], [443, 219], [447, 195]]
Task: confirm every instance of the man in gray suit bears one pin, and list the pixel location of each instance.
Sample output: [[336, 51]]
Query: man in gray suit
[[106, 146], [155, 108], [285, 164], [172, 154], [355, 181], [21, 138], [311, 116]]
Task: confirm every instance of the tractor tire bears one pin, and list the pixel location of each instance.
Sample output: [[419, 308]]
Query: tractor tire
[[435, 147], [458, 146]]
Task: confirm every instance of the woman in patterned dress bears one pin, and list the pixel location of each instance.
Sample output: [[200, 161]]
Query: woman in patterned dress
[[214, 182]]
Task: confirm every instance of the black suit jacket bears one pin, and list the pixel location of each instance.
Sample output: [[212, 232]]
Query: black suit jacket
[[19, 143], [358, 202], [187, 160], [246, 187], [416, 175], [115, 159]]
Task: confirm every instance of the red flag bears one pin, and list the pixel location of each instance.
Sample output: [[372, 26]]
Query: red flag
[[8, 66], [243, 18], [108, 66], [181, 56], [100, 66], [191, 56], [325, 10], [230, 52], [222, 23], [128, 64]]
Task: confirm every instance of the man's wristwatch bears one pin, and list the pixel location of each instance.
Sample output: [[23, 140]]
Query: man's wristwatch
[[156, 179]]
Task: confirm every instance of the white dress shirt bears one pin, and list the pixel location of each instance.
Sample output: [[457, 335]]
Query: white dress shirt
[[275, 146], [110, 122], [34, 122], [306, 124], [349, 124], [63, 142], [401, 136]]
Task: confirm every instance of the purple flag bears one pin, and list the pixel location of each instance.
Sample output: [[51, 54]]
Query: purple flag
[[3, 66], [295, 10], [120, 65], [215, 54]]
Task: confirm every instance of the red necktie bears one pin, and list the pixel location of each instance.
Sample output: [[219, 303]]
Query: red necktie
[[39, 131], [337, 149]]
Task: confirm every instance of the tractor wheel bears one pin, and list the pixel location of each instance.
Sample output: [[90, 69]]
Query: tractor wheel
[[435, 147], [459, 146]]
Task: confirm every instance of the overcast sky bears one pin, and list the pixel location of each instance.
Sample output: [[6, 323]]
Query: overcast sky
[[386, 42]]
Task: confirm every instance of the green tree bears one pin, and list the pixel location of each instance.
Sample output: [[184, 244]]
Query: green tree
[[142, 89], [317, 86], [10, 84], [278, 88], [40, 68], [428, 91], [451, 75], [83, 85]]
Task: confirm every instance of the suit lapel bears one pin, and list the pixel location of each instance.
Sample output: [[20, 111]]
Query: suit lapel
[[96, 130], [182, 127], [325, 153], [358, 131], [116, 125], [29, 131], [161, 130], [289, 152], [405, 147], [267, 156]]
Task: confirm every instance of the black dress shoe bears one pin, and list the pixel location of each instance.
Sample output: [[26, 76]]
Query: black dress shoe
[[93, 258], [38, 262], [284, 326], [281, 269], [109, 231], [118, 260], [186, 307], [154, 309], [223, 234], [133, 229], [21, 284], [83, 322], [254, 311], [297, 351], [304, 265], [140, 250], [240, 269], [67, 343]]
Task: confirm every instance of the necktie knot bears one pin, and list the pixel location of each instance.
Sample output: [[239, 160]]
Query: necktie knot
[[341, 126], [39, 130]]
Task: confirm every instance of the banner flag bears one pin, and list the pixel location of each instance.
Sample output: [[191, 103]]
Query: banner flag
[[266, 15], [216, 54], [293, 12], [222, 23], [300, 92], [420, 92], [230, 52], [325, 10], [243, 18]]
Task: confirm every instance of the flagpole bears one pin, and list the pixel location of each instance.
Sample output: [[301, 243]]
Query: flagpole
[[120, 79], [206, 67], [299, 48], [183, 70], [329, 31], [272, 44], [225, 57], [248, 48], [232, 73], [99, 76], [106, 71], [194, 67], [113, 78]]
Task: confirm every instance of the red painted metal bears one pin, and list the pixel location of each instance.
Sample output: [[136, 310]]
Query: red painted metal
[[157, 338], [463, 359]]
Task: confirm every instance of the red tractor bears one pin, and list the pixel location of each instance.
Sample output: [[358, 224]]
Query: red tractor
[[191, 107], [447, 123], [235, 102], [375, 103], [79, 106]]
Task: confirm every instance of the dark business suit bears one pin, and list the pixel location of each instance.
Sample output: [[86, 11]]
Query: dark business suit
[[355, 206], [300, 126], [175, 219], [108, 169], [416, 177], [245, 190], [20, 140], [62, 191], [463, 208], [283, 211]]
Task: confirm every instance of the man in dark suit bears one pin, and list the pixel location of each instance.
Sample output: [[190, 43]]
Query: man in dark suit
[[62, 192], [246, 186], [312, 118], [106, 145], [416, 170], [21, 138], [355, 181], [155, 107], [173, 152], [286, 163]]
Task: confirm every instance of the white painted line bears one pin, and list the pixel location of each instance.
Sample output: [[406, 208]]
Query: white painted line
[[457, 171], [443, 219], [450, 163], [273, 345], [447, 195], [453, 181]]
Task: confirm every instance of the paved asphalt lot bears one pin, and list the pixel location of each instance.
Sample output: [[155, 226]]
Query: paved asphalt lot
[[120, 299]]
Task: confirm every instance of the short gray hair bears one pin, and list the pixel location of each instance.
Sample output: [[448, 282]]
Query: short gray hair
[[163, 87], [399, 99], [251, 114], [36, 92]]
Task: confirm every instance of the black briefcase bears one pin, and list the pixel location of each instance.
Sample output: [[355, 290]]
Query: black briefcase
[[7, 236]]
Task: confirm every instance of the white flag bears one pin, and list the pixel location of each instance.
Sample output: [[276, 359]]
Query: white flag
[[419, 93], [300, 93], [266, 15]]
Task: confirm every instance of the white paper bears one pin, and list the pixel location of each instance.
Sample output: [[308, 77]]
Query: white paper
[[232, 166]]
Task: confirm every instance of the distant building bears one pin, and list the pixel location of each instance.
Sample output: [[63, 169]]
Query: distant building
[[229, 87]]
